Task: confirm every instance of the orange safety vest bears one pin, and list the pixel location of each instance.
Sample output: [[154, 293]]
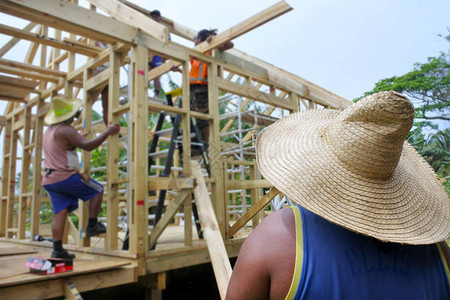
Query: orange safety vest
[[199, 71]]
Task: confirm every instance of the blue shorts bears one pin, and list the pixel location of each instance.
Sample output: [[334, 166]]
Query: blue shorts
[[65, 194]]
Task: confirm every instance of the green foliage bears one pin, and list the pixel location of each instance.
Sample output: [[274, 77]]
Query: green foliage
[[428, 86]]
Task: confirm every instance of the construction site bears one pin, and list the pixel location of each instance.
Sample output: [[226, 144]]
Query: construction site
[[171, 201]]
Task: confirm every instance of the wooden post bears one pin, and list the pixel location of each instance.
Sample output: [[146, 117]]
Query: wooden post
[[218, 189], [86, 116], [37, 176], [186, 120], [5, 175], [111, 241], [26, 160], [139, 153], [12, 181]]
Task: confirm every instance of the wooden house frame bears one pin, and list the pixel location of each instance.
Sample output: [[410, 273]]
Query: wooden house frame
[[64, 33]]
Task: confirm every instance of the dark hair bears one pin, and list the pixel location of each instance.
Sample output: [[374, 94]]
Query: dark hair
[[156, 13], [205, 33]]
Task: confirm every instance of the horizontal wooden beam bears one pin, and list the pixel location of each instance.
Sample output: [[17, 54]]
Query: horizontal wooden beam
[[10, 44], [297, 84], [252, 93], [66, 16], [247, 184], [127, 15], [32, 68], [169, 183], [28, 74], [45, 40]]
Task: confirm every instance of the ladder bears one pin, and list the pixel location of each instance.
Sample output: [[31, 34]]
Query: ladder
[[175, 142]]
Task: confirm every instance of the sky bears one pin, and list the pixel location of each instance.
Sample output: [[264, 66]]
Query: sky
[[345, 46]]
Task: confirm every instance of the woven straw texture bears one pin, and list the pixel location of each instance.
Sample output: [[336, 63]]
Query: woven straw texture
[[354, 168], [59, 103]]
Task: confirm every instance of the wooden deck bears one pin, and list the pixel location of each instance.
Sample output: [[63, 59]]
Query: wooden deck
[[95, 268], [16, 282]]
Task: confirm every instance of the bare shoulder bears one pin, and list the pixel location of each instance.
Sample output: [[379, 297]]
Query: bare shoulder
[[266, 254], [65, 137]]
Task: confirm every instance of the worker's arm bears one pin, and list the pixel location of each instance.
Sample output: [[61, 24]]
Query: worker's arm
[[68, 137], [265, 264], [226, 46]]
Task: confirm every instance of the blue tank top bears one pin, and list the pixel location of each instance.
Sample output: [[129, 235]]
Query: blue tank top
[[335, 263]]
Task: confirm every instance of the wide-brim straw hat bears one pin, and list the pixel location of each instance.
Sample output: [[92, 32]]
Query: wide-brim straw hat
[[61, 110], [355, 169]]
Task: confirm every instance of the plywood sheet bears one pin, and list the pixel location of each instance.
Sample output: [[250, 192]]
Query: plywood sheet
[[13, 271], [7, 251]]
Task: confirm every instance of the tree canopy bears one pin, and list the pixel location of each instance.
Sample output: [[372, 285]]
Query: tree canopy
[[428, 87]]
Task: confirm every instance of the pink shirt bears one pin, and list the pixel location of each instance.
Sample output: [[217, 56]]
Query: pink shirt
[[63, 163]]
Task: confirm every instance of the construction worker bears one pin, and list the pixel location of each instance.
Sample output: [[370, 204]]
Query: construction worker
[[62, 179], [198, 80], [372, 216]]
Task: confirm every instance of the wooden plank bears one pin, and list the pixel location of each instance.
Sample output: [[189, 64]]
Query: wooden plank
[[263, 202], [173, 27], [18, 82], [26, 162], [66, 16], [36, 38], [28, 74], [132, 17], [54, 288], [296, 83], [170, 212], [15, 94], [15, 266], [248, 184], [99, 81], [12, 42], [229, 34], [253, 93], [111, 242], [245, 26], [211, 232], [169, 183], [165, 260], [139, 153], [10, 251], [30, 67]]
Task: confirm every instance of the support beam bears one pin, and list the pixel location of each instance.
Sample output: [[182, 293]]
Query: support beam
[[263, 202], [36, 38], [171, 210], [132, 17], [245, 26], [251, 23], [216, 247], [12, 42]]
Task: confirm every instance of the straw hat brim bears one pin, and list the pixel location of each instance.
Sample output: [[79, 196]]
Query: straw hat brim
[[51, 119], [411, 206]]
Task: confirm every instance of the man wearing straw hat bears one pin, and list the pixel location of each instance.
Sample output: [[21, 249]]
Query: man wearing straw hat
[[62, 179], [372, 216]]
